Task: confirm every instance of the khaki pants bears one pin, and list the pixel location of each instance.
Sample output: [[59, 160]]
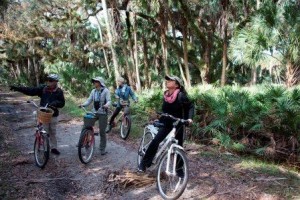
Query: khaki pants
[[51, 130], [102, 126]]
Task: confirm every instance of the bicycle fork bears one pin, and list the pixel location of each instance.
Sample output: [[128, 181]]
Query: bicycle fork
[[171, 151]]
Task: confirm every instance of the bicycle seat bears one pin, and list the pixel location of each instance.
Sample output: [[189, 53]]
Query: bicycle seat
[[158, 124]]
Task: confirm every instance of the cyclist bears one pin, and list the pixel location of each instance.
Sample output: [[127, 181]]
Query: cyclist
[[52, 96], [100, 97], [122, 93], [176, 103]]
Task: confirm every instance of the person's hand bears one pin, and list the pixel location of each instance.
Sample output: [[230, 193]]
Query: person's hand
[[105, 106], [190, 121], [13, 88]]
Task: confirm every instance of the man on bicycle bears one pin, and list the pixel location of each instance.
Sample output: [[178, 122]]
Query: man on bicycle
[[176, 103], [122, 93], [52, 96], [100, 97]]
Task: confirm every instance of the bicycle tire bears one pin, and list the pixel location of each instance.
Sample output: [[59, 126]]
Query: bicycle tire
[[144, 144], [86, 144], [125, 127], [41, 150], [166, 187]]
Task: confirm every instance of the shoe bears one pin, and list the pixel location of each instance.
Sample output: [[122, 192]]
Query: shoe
[[108, 129], [55, 151], [180, 173], [103, 153], [142, 167], [96, 133]]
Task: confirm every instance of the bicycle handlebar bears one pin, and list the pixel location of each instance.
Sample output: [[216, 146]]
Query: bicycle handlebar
[[85, 110], [33, 103], [183, 121]]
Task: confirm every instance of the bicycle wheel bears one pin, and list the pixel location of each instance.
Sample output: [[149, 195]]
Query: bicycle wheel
[[172, 180], [144, 144], [86, 145], [125, 127], [41, 150]]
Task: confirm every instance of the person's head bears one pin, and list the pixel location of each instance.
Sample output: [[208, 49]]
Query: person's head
[[52, 80], [173, 82], [98, 82], [120, 81]]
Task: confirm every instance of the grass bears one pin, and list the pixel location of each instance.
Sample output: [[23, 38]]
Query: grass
[[71, 106]]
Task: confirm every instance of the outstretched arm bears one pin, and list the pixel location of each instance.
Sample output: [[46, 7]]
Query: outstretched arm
[[31, 91]]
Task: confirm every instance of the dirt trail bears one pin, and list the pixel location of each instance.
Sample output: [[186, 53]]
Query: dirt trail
[[65, 177]]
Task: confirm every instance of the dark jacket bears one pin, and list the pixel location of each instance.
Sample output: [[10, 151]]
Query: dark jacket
[[182, 108], [53, 97]]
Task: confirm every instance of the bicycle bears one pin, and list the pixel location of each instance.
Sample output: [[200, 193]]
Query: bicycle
[[41, 143], [86, 142], [124, 118], [169, 160]]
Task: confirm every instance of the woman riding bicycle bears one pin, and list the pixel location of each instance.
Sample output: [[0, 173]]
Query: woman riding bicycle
[[122, 93], [100, 96], [176, 103]]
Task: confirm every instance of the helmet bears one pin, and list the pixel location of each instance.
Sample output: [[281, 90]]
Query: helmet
[[54, 77]]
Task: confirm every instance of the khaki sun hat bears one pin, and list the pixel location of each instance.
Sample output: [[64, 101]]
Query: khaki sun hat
[[100, 80]]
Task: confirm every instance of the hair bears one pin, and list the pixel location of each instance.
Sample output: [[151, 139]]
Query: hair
[[183, 90]]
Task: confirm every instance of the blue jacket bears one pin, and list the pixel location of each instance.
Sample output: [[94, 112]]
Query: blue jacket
[[123, 92]]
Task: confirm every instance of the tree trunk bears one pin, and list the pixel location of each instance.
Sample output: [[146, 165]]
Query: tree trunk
[[253, 76], [289, 75], [185, 55], [224, 59], [138, 82], [131, 50], [178, 58], [111, 41], [127, 68], [104, 52], [146, 63]]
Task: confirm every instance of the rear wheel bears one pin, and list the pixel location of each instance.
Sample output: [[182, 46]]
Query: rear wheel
[[41, 150], [144, 144], [125, 127], [86, 145], [172, 179]]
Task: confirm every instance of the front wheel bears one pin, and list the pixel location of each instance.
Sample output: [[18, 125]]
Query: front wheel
[[86, 145], [144, 144], [125, 127], [41, 150], [172, 179]]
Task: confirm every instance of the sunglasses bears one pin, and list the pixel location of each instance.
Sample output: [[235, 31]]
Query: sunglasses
[[51, 80]]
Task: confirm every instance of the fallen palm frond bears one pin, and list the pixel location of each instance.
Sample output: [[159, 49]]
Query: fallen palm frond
[[129, 179]]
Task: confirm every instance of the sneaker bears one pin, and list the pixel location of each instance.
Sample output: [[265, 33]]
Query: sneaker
[[142, 167], [180, 173], [103, 153], [55, 151], [108, 128]]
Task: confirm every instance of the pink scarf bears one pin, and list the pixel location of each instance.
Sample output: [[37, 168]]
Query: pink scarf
[[172, 97]]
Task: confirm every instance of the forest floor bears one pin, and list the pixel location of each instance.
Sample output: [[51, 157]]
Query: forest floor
[[213, 174]]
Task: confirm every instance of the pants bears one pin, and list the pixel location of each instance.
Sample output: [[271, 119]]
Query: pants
[[51, 130], [153, 147], [116, 112], [102, 126]]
